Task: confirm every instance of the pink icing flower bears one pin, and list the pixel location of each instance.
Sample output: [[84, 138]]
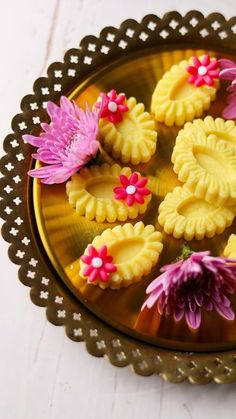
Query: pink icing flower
[[67, 143], [197, 281], [228, 72], [99, 264], [112, 106], [132, 189], [203, 72]]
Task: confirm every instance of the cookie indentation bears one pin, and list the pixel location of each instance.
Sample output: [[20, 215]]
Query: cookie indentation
[[102, 187], [192, 207], [210, 161], [182, 90]]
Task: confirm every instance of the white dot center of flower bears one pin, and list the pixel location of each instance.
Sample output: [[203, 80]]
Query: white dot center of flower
[[97, 262], [130, 190], [112, 106], [202, 70]]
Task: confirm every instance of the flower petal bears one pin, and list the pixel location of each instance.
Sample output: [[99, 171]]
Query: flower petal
[[193, 318], [130, 200], [46, 157], [123, 108], [103, 275], [157, 283], [52, 109], [213, 73], [208, 80], [149, 303], [110, 267], [102, 252], [191, 70], [213, 65], [179, 313], [112, 94], [115, 117], [143, 191], [52, 174], [34, 141], [196, 62], [199, 81], [191, 79], [120, 99], [92, 251], [206, 60], [87, 270], [133, 178], [119, 190], [226, 64], [122, 195], [124, 180], [139, 198], [141, 182], [228, 74], [94, 275], [229, 111], [86, 259], [224, 311]]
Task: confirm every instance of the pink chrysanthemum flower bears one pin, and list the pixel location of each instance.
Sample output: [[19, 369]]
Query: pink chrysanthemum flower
[[197, 281], [203, 72], [99, 264], [228, 72], [67, 143], [112, 106], [132, 189]]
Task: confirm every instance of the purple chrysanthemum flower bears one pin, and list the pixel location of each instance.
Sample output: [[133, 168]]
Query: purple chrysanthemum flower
[[228, 72], [197, 281], [67, 143]]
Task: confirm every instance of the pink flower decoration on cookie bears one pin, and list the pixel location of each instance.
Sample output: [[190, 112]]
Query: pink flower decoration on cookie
[[203, 71], [112, 106], [99, 264], [132, 189]]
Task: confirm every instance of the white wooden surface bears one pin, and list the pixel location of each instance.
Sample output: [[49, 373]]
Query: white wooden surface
[[42, 373]]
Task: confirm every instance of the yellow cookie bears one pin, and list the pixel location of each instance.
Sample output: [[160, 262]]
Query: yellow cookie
[[133, 250], [176, 101], [133, 140], [224, 131], [230, 249], [188, 217], [207, 166], [91, 193]]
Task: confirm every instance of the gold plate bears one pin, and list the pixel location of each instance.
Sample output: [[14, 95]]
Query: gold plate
[[53, 236], [65, 234]]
